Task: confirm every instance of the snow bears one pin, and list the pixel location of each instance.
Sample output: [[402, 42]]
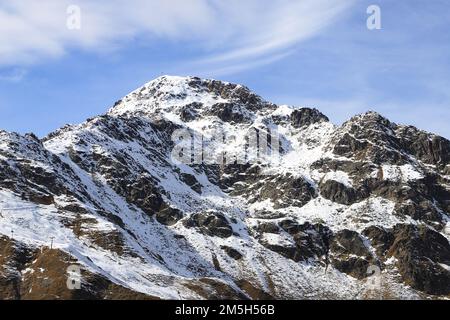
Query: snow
[[445, 266], [37, 225], [283, 110], [372, 211], [403, 173], [339, 176], [173, 91], [277, 239], [447, 228]]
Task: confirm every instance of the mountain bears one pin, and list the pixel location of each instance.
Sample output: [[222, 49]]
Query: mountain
[[200, 189]]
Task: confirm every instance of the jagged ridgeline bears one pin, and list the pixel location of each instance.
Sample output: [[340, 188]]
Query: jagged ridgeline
[[356, 211]]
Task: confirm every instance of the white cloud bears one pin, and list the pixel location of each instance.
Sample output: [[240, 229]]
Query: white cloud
[[228, 32], [277, 25]]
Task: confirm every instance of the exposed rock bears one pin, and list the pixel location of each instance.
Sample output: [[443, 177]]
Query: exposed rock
[[267, 227], [283, 190], [349, 254], [44, 199], [143, 194], [41, 274], [308, 241], [214, 289], [287, 250], [313, 241], [420, 252], [91, 179], [338, 192], [290, 226], [233, 253], [369, 136], [168, 215], [192, 182], [211, 223], [229, 112], [306, 116], [253, 291], [427, 147], [351, 167], [424, 210], [189, 112], [380, 238]]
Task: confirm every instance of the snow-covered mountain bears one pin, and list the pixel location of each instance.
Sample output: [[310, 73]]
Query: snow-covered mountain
[[311, 216]]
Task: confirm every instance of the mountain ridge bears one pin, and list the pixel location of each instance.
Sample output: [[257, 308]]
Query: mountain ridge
[[341, 199]]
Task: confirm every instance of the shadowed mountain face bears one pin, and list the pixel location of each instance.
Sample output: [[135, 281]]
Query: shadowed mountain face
[[190, 188]]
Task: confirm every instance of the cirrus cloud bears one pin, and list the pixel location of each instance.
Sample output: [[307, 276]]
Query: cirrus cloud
[[228, 33]]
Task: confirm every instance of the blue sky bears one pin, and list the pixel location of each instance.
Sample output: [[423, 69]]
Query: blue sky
[[316, 53]]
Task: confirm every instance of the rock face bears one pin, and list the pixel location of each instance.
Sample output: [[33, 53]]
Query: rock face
[[306, 117], [300, 209], [338, 192], [433, 150], [283, 191], [308, 242], [423, 255], [211, 223], [350, 254]]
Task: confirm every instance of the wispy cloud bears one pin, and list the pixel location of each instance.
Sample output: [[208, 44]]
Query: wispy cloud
[[227, 33], [280, 25]]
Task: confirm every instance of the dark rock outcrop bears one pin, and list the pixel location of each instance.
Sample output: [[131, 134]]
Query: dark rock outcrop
[[211, 223], [229, 112], [306, 116], [338, 192], [267, 227], [168, 215], [192, 182], [420, 252], [309, 241], [189, 112], [233, 253], [427, 147], [349, 254], [380, 238], [283, 190]]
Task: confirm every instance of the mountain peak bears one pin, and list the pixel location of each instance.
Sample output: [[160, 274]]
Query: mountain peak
[[173, 92], [370, 116]]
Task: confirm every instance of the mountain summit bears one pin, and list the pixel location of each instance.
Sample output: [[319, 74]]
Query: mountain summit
[[190, 188]]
